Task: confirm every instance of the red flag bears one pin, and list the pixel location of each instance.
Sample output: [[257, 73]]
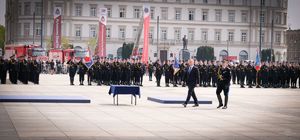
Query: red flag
[[57, 28], [146, 33], [102, 32]]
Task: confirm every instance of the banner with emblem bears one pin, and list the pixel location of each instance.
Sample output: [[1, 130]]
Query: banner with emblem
[[146, 9], [88, 59], [102, 32], [57, 28]]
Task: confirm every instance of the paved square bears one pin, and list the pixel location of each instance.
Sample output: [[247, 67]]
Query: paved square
[[251, 114]]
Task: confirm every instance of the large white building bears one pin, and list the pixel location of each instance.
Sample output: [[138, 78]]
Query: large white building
[[225, 25]]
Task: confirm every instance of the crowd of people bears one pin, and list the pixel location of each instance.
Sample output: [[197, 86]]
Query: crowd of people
[[21, 69], [130, 72], [106, 71]]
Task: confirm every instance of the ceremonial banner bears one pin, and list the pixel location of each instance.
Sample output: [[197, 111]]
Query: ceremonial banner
[[257, 61], [57, 28], [176, 66], [102, 32], [88, 59], [146, 9]]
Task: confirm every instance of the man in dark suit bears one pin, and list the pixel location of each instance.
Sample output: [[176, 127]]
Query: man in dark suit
[[191, 81]]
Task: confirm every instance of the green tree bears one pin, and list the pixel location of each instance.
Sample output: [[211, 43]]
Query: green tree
[[2, 37], [65, 43], [127, 50], [49, 43], [205, 53], [266, 55]]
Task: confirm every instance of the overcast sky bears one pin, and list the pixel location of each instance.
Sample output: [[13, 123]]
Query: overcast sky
[[293, 13]]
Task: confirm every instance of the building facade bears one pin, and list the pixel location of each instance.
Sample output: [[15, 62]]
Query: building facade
[[293, 45], [231, 27]]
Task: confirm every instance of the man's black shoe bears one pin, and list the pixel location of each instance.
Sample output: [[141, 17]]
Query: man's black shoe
[[219, 106]]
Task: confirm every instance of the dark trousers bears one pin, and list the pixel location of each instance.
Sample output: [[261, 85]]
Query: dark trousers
[[90, 79], [81, 78], [158, 77], [150, 76], [191, 93], [225, 89]]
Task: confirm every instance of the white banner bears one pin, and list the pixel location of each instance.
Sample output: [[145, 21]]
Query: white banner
[[103, 15]]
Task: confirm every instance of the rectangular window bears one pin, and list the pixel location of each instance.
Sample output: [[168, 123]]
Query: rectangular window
[[205, 1], [231, 16], [278, 18], [38, 8], [93, 10], [19, 29], [78, 9], [136, 13], [177, 34], [218, 1], [151, 33], [134, 32], [122, 33], [204, 35], [178, 1], [164, 13], [262, 16], [218, 36], [245, 2], [192, 1], [231, 2], [122, 12], [177, 14], [230, 36], [77, 30], [262, 36], [108, 34], [284, 19], [244, 16], [26, 29], [191, 35], [163, 34], [191, 14], [109, 12], [218, 15], [93, 32], [244, 37], [278, 37], [27, 9], [152, 13], [20, 8], [205, 15], [38, 29], [263, 2]]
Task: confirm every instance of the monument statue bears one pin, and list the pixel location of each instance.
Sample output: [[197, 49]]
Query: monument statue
[[185, 42]]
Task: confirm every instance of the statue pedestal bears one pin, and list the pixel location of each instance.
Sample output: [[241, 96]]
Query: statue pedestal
[[184, 54]]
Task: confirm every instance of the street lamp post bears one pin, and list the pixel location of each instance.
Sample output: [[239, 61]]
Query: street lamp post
[[227, 49]]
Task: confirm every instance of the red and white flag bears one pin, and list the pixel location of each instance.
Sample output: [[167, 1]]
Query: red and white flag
[[146, 9], [57, 28], [102, 32]]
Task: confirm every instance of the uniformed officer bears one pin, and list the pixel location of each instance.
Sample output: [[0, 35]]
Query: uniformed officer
[[158, 72], [242, 74], [167, 73], [13, 66], [72, 68], [3, 70], [36, 70], [150, 70], [223, 84]]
